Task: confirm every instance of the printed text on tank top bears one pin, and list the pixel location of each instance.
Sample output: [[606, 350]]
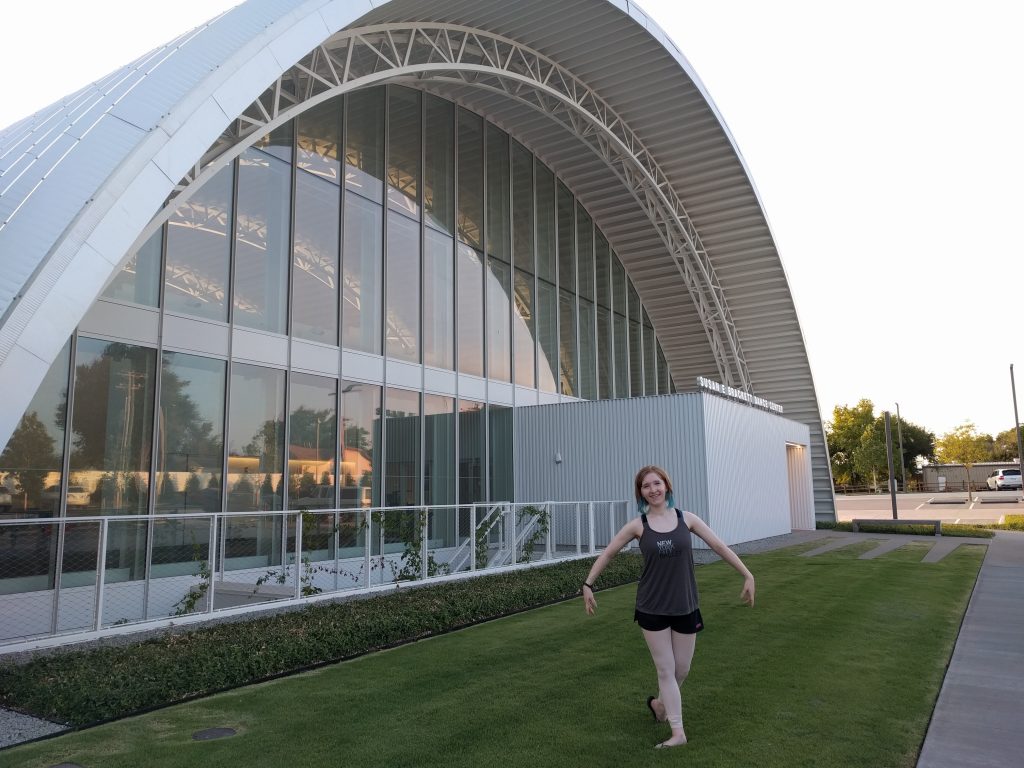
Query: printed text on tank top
[[667, 547]]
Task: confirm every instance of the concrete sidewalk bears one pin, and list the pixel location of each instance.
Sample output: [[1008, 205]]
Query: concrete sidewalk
[[979, 718]]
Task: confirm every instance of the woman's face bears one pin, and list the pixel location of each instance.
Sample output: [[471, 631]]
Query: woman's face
[[653, 489]]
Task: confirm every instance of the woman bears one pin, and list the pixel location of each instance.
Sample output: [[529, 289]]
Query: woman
[[666, 598]]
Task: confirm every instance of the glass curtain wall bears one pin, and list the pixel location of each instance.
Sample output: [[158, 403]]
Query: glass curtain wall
[[470, 268], [402, 448], [566, 228], [360, 466], [138, 281], [312, 442]]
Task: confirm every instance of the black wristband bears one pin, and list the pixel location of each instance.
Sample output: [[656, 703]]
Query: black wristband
[[588, 586]]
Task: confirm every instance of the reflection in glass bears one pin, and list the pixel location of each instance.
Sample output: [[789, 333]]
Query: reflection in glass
[[363, 283], [588, 351], [499, 422], [522, 207], [262, 242], [32, 462], [566, 240], [545, 224], [198, 251], [315, 260], [439, 301], [138, 281], [364, 143], [439, 163], [618, 286], [112, 428], [318, 137], [498, 191], [471, 452], [522, 331], [404, 150], [402, 446], [256, 439], [603, 266], [359, 472], [650, 358], [620, 332], [567, 342], [636, 361], [604, 354], [439, 454], [470, 311], [664, 386], [499, 329], [277, 143], [190, 448], [312, 442], [547, 336], [471, 177], [403, 293], [585, 248]]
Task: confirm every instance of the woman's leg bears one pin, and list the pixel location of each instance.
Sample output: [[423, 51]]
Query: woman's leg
[[682, 649], [663, 654]]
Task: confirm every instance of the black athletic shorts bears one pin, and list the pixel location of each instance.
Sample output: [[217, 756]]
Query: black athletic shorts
[[690, 624]]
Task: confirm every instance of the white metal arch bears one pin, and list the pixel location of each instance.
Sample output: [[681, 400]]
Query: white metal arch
[[360, 57]]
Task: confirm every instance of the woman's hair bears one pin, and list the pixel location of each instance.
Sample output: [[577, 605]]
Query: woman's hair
[[641, 503]]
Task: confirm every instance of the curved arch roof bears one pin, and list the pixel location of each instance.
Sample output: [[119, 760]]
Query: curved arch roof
[[80, 180]]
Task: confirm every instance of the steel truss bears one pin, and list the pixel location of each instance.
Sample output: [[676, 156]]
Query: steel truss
[[356, 58]]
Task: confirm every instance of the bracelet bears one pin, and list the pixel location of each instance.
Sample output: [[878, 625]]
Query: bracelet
[[588, 586]]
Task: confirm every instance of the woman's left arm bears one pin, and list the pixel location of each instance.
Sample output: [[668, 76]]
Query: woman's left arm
[[702, 529]]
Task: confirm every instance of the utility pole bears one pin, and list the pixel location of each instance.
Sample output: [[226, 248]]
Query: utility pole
[[1016, 421], [903, 463], [888, 454]]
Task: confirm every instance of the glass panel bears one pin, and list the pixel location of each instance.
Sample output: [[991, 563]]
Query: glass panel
[[277, 143], [522, 332], [312, 442], [439, 456], [364, 143], [498, 194], [360, 445], [402, 444], [522, 208], [650, 359], [138, 281], [620, 330], [199, 250], [471, 452], [566, 240], [618, 286], [545, 224], [636, 370], [318, 136], [471, 178], [499, 322], [363, 286], [604, 354], [588, 352], [499, 422], [256, 439], [112, 428], [32, 462], [603, 266], [585, 245], [439, 163], [261, 242], [664, 385], [403, 289], [547, 336], [634, 303], [439, 301], [567, 342], [190, 447], [404, 150], [315, 260], [471, 310]]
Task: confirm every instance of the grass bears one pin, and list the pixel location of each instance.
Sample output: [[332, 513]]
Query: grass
[[839, 664]]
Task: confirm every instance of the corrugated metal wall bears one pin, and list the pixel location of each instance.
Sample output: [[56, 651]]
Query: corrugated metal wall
[[727, 460]]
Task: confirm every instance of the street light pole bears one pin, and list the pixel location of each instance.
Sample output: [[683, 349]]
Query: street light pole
[[888, 456], [1016, 420], [903, 463]]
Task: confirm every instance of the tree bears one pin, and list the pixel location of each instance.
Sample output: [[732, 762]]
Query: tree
[[843, 435], [870, 456], [964, 446], [1004, 447], [30, 456]]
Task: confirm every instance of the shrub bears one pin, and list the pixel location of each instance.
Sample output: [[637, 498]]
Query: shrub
[[85, 687], [949, 529]]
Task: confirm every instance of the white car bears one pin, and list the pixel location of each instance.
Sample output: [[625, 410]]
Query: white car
[[1003, 479]]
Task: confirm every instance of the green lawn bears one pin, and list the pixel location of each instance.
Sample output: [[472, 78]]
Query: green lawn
[[839, 664]]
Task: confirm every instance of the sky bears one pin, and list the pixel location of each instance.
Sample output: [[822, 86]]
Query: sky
[[885, 138]]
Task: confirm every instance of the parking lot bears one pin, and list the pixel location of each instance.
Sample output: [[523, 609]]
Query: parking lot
[[949, 507]]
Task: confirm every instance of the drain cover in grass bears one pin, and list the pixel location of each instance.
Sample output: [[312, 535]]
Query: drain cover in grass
[[213, 733]]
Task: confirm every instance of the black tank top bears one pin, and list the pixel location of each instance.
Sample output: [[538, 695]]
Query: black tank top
[[667, 585]]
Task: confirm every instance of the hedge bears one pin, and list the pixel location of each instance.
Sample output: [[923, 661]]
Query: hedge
[[879, 526], [86, 687]]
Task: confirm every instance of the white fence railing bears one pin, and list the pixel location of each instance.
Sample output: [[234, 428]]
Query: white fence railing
[[71, 577]]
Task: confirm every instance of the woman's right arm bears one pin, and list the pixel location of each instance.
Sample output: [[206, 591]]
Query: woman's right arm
[[631, 530]]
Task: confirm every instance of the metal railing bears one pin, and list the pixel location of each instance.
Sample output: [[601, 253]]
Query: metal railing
[[77, 577]]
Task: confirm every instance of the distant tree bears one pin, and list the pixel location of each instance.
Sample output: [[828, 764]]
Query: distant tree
[[869, 457], [843, 435], [1004, 446], [964, 446]]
